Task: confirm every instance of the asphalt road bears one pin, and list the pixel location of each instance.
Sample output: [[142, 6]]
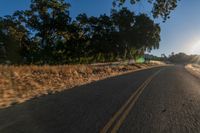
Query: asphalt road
[[157, 100]]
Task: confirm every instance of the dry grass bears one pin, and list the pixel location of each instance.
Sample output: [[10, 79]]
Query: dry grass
[[193, 69], [21, 83]]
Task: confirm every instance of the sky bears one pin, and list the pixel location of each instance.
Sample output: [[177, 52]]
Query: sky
[[181, 33]]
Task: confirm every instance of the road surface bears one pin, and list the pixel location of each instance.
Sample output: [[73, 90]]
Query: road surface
[[157, 100]]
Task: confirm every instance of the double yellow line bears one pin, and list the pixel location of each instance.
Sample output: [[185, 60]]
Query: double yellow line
[[119, 117]]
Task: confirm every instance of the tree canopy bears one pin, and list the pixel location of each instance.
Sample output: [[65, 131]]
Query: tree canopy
[[160, 8], [46, 34]]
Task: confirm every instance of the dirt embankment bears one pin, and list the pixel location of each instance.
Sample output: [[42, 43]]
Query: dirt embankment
[[194, 69], [21, 83]]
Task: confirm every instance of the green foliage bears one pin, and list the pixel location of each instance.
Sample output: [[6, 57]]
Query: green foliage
[[48, 20], [181, 58], [136, 32], [160, 8], [15, 38], [45, 34]]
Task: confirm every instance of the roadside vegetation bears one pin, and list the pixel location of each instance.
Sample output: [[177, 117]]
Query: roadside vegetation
[[41, 48], [47, 34], [182, 58], [194, 69], [191, 62], [21, 83]]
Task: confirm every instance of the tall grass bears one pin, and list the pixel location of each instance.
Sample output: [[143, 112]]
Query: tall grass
[[20, 83]]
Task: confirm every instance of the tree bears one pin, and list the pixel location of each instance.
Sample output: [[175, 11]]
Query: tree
[[147, 33], [15, 38], [48, 20], [180, 58], [137, 33], [160, 8], [45, 33], [98, 31], [124, 21]]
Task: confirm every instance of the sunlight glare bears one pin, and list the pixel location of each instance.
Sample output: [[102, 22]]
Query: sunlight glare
[[195, 48]]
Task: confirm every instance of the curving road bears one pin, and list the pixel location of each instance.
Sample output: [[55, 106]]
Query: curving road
[[157, 100]]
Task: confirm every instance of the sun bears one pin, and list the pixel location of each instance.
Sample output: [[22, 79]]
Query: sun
[[195, 49]]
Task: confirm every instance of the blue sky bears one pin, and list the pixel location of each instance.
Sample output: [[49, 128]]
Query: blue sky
[[181, 33]]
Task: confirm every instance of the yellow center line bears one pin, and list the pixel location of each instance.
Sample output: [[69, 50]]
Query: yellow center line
[[112, 120], [126, 107], [126, 112]]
